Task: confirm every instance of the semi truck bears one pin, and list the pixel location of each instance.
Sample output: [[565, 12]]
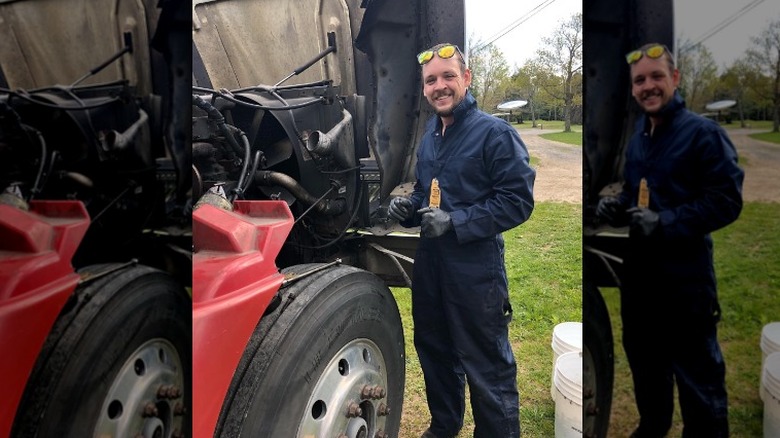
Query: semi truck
[[95, 219], [305, 121], [611, 30]]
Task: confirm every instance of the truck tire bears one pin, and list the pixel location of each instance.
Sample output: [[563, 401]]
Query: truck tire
[[327, 362], [117, 361], [598, 366]]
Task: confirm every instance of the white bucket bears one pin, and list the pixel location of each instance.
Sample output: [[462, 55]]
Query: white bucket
[[770, 343], [771, 386], [568, 398], [567, 337]]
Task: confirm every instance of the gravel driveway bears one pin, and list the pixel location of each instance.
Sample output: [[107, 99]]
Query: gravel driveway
[[559, 171], [762, 182]]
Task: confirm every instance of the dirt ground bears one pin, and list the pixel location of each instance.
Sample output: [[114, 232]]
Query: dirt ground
[[761, 164], [559, 172]]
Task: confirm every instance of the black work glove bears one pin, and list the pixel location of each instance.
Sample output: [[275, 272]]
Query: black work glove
[[400, 208], [609, 208], [435, 222], [643, 220]]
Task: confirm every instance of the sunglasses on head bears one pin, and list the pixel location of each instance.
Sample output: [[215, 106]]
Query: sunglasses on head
[[444, 52], [653, 52]]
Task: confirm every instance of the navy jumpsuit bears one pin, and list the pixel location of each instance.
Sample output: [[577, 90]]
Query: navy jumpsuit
[[669, 303], [460, 300]]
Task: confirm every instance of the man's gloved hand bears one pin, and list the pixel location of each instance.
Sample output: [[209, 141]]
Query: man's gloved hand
[[608, 208], [400, 208], [435, 222], [643, 220]]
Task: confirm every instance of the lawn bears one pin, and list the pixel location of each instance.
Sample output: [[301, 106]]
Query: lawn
[[574, 137], [764, 125], [543, 260], [747, 264]]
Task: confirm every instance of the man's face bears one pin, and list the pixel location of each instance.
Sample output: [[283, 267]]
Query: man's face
[[444, 85], [653, 83]]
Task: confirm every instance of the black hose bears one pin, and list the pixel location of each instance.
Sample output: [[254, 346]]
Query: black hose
[[239, 190]]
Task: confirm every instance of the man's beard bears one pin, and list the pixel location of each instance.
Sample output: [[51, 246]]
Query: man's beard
[[449, 111]]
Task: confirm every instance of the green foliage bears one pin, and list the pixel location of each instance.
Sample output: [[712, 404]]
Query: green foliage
[[747, 264], [543, 259]]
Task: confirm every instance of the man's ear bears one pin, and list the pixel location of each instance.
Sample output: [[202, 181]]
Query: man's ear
[[676, 78], [467, 77]]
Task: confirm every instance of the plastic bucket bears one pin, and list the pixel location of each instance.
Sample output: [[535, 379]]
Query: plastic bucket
[[568, 395], [567, 337], [771, 385], [770, 343]]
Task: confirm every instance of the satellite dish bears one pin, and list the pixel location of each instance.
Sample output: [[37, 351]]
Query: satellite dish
[[720, 105], [512, 105]]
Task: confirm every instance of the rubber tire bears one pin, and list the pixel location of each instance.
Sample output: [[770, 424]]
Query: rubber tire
[[269, 389], [598, 363], [101, 325]]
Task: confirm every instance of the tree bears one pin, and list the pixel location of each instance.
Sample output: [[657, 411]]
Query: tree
[[736, 84], [489, 74], [563, 55], [765, 53], [698, 73]]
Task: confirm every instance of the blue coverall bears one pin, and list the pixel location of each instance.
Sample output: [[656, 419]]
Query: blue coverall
[[460, 299], [669, 304]]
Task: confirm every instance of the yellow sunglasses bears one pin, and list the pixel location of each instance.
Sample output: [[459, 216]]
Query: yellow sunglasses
[[654, 52], [445, 52]]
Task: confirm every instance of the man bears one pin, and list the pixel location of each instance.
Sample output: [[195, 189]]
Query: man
[[681, 183], [480, 170]]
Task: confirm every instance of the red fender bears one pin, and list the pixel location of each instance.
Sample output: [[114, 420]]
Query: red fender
[[234, 277], [36, 278]]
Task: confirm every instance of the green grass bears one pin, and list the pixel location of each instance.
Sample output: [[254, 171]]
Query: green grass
[[751, 124], [573, 137], [747, 264], [543, 261], [772, 137], [546, 124], [763, 125]]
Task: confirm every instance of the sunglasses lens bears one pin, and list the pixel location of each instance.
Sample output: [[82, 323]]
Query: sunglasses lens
[[447, 52], [634, 56], [424, 57], [655, 51]]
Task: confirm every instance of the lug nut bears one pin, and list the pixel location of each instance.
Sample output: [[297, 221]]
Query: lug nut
[[380, 434], [383, 410], [377, 392], [366, 391], [354, 410], [150, 410], [177, 434], [173, 392], [162, 391], [179, 409]]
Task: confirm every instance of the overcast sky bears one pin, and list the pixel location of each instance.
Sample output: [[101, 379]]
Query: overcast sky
[[696, 18], [486, 18]]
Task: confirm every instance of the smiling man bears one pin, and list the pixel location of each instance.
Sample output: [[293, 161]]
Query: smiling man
[[681, 183], [473, 183]]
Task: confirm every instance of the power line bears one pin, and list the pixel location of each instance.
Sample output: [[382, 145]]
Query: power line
[[722, 25], [514, 24]]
